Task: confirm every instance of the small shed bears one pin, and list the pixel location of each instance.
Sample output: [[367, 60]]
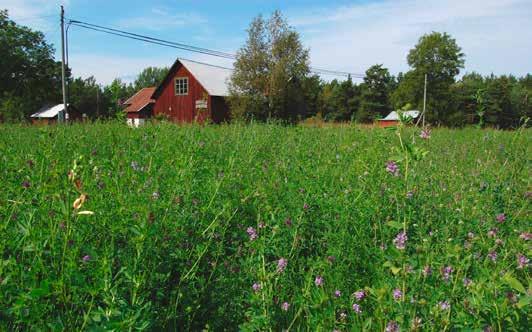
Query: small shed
[[48, 114], [193, 91], [139, 107], [392, 119]]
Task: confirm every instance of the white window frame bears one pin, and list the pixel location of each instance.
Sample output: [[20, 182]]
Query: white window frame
[[182, 87]]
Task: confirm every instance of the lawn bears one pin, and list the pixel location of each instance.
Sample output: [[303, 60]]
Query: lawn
[[264, 227]]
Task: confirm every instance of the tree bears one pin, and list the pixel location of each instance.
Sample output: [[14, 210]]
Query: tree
[[376, 89], [439, 57], [116, 93], [269, 72], [29, 75], [150, 77]]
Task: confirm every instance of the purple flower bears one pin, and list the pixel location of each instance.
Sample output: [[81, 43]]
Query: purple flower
[[337, 293], [492, 255], [397, 294], [493, 232], [446, 272], [359, 295], [467, 282], [501, 217], [331, 258], [522, 261], [252, 233], [261, 224], [392, 326], [356, 308], [305, 206], [525, 236], [288, 222], [86, 258], [392, 168], [285, 306], [427, 271], [281, 265], [318, 281], [444, 305], [425, 134], [26, 184], [499, 242], [400, 240], [256, 287]]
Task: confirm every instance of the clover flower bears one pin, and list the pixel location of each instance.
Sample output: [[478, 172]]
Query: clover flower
[[400, 240], [425, 134], [525, 236], [392, 168], [467, 282], [427, 271], [397, 294], [444, 305], [281, 265], [501, 217], [252, 233], [337, 293], [446, 272], [359, 295], [356, 308], [522, 261], [492, 255], [86, 258], [256, 287], [285, 306], [392, 326], [318, 281]]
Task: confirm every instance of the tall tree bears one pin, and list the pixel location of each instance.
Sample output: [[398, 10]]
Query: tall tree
[[376, 89], [150, 77], [269, 72], [438, 56], [29, 75]]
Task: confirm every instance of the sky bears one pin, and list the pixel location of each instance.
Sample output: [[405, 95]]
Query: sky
[[495, 35]]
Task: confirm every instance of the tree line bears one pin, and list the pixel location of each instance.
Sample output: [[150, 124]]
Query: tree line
[[272, 78]]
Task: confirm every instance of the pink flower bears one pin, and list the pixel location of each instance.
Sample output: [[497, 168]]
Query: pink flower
[[446, 272], [501, 217], [285, 306], [397, 294], [318, 281], [288, 222], [392, 326], [522, 261], [359, 295], [427, 271], [256, 287], [400, 240], [281, 265], [467, 282], [337, 293], [356, 308], [252, 233], [425, 134], [492, 255], [86, 258], [392, 168], [525, 236], [444, 305], [493, 232]]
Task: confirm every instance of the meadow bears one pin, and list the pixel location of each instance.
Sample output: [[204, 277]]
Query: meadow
[[264, 227]]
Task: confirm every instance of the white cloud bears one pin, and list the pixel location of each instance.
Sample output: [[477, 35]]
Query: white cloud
[[39, 14], [495, 35], [161, 19]]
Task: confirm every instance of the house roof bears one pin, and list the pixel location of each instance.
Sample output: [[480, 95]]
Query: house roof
[[139, 100], [48, 112], [394, 116], [212, 78]]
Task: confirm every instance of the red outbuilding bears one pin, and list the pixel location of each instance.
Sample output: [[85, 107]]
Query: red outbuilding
[[139, 107], [193, 91]]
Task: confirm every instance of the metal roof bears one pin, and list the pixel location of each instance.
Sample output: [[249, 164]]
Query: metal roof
[[394, 116], [214, 79], [48, 112], [139, 100]]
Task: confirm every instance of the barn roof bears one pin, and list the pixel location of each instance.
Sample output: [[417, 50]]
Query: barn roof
[[213, 78], [394, 116], [48, 112], [139, 100]]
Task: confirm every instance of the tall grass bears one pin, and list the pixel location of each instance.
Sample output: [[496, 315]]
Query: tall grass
[[183, 228]]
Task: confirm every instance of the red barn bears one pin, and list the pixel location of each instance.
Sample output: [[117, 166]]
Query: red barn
[[139, 107], [193, 91]]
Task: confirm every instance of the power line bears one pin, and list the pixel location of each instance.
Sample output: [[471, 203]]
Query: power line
[[190, 48]]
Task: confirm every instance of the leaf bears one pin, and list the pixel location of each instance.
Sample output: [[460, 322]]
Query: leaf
[[514, 283], [87, 213], [395, 269]]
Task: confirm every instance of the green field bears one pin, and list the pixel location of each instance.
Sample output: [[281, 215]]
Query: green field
[[263, 227]]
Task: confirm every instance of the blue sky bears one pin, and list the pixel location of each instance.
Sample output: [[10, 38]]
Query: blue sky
[[496, 35]]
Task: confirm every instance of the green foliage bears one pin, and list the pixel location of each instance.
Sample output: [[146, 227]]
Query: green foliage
[[376, 89], [105, 227], [269, 73], [29, 75], [150, 77]]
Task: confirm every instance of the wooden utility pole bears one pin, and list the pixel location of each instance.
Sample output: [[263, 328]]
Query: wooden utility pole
[[62, 114], [424, 100]]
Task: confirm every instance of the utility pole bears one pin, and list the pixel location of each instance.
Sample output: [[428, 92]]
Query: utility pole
[[62, 114], [424, 100]]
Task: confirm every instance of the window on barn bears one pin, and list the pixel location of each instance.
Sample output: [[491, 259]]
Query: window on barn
[[181, 86]]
